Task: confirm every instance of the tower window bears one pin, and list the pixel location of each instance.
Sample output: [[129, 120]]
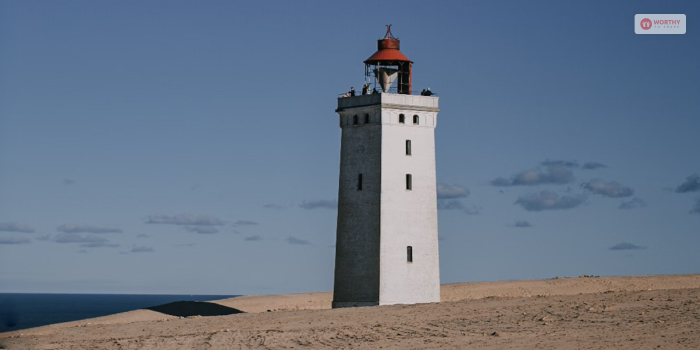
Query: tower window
[[408, 147], [409, 254], [366, 118], [402, 119], [415, 119], [409, 182], [354, 119], [359, 182]]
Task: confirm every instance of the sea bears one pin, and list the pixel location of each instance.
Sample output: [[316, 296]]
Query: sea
[[21, 311]]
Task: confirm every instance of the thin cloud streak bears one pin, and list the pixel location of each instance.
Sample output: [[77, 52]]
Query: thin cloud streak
[[202, 229], [627, 246], [244, 223], [556, 175], [548, 200], [610, 189], [87, 241], [142, 249], [319, 204], [453, 204], [561, 163], [184, 219], [83, 228], [593, 165], [14, 240], [445, 191], [100, 245], [450, 205], [632, 204], [522, 224], [15, 227], [76, 238], [298, 241]]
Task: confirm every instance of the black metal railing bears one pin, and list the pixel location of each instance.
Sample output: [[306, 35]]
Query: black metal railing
[[391, 91]]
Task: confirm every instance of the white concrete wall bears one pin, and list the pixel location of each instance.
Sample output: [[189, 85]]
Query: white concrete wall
[[408, 217]]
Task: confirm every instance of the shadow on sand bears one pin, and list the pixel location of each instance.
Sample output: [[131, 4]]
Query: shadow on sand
[[194, 308]]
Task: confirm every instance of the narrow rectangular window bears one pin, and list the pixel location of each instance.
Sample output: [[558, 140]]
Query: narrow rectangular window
[[402, 119], [409, 254], [366, 118], [409, 182], [359, 182], [408, 147], [415, 119]]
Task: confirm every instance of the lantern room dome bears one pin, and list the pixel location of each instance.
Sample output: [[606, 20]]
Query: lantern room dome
[[387, 50]]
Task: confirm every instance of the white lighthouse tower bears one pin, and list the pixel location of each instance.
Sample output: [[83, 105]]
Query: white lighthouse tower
[[387, 235]]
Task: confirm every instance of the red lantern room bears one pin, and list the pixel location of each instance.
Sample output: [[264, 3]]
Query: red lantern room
[[389, 65]]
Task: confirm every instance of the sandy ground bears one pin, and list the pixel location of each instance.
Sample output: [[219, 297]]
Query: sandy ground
[[647, 312]]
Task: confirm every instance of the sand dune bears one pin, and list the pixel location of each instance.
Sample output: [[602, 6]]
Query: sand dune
[[479, 290], [568, 313]]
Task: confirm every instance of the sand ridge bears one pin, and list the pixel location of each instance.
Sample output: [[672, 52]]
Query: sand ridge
[[479, 290]]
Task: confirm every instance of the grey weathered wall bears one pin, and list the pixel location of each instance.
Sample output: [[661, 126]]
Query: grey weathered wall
[[357, 241]]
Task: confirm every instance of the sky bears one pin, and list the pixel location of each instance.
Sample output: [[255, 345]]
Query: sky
[[182, 147]]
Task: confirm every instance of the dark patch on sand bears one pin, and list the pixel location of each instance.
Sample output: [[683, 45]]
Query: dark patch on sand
[[194, 308]]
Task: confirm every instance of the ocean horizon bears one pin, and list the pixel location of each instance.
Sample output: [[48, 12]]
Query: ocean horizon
[[28, 310]]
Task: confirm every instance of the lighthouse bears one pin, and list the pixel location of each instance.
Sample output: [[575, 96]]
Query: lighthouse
[[387, 233]]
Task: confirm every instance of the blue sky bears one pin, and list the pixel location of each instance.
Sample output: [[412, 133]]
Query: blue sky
[[192, 147]]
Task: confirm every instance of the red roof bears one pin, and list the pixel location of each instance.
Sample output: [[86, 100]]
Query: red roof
[[387, 55], [388, 49]]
